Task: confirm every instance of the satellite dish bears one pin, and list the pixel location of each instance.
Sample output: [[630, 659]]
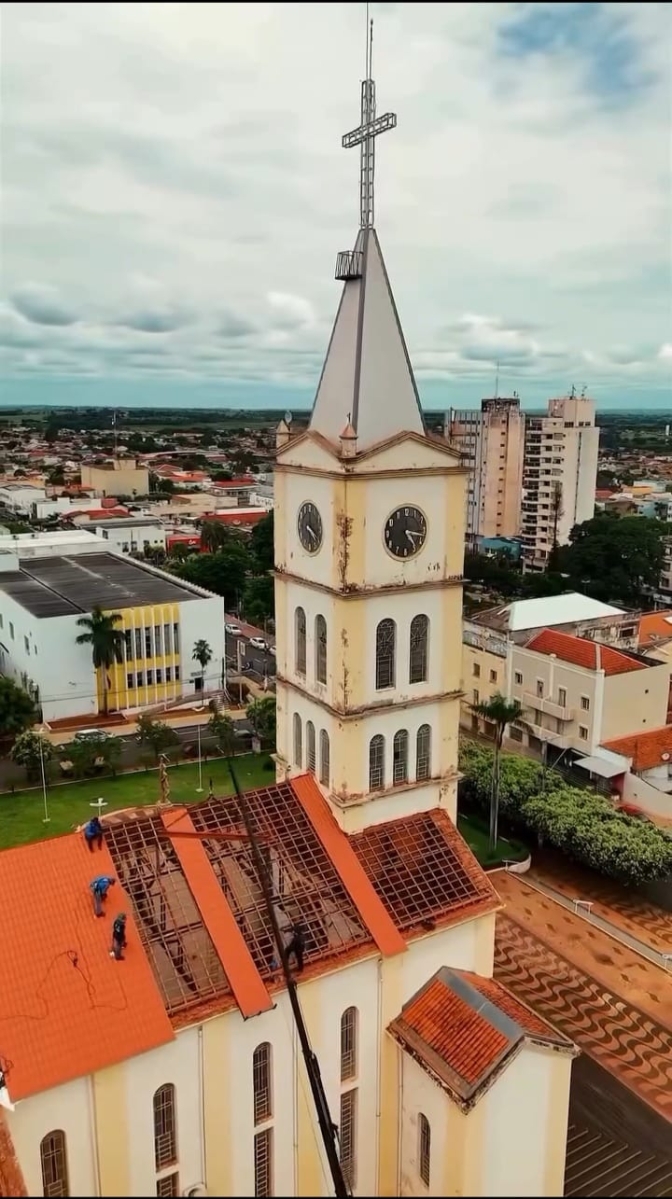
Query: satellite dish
[[665, 757]]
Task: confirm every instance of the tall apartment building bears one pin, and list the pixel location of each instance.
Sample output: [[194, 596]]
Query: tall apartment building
[[559, 476], [492, 444]]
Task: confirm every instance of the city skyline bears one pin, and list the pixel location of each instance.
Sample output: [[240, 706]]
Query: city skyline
[[173, 241]]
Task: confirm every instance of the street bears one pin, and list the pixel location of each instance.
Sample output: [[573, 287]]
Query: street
[[240, 653]]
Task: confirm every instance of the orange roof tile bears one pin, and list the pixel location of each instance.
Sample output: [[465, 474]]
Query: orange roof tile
[[582, 652], [655, 627], [645, 749], [463, 1028], [71, 1009], [12, 1182], [244, 978], [350, 871]]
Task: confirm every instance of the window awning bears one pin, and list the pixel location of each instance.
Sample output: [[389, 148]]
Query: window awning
[[605, 769]]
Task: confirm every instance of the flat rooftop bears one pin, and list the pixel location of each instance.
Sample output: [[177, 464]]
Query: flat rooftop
[[128, 522], [63, 586]]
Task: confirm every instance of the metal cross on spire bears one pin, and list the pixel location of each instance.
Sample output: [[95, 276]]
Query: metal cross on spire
[[367, 132]]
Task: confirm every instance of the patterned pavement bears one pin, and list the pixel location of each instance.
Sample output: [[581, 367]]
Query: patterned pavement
[[619, 1036]]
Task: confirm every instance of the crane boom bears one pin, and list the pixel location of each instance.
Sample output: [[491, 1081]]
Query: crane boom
[[328, 1129]]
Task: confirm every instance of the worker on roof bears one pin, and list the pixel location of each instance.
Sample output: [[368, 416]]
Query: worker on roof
[[296, 946], [99, 888], [94, 832], [119, 937]]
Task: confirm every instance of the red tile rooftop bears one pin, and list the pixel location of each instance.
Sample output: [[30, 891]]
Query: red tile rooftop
[[591, 655], [64, 1004]]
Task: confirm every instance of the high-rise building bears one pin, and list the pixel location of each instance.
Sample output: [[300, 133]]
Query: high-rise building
[[559, 476], [491, 442]]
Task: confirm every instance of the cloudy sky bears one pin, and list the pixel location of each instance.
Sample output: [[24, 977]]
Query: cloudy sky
[[174, 193]]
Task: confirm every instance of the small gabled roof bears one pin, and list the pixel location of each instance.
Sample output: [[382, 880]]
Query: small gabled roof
[[463, 1029]]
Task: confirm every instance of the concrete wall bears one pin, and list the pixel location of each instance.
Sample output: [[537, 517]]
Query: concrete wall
[[62, 670], [635, 702]]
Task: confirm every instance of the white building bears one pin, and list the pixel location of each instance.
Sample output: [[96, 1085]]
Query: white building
[[131, 534], [19, 498], [559, 476], [41, 601]]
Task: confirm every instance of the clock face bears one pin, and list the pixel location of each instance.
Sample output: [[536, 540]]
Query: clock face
[[309, 524], [405, 532]]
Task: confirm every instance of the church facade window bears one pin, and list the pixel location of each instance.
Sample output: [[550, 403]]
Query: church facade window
[[424, 1148], [311, 757], [349, 1029], [298, 741], [54, 1162], [423, 752], [377, 763], [300, 641], [419, 650], [386, 652], [320, 649], [400, 757], [324, 757]]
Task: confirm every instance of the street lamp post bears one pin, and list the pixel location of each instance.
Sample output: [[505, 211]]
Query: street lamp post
[[46, 818], [200, 761]]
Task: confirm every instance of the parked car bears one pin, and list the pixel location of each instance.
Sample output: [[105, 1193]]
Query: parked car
[[233, 630], [258, 643], [271, 650], [91, 735]]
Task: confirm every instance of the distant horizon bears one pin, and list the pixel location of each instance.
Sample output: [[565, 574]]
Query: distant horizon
[[206, 396]]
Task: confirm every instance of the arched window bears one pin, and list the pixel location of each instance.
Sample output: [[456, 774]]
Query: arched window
[[300, 640], [165, 1127], [262, 1083], [310, 746], [423, 752], [53, 1157], [298, 741], [400, 757], [424, 1148], [376, 763], [324, 757], [349, 1029], [419, 650], [386, 639], [320, 649]]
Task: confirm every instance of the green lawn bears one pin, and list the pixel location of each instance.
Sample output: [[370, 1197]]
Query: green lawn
[[475, 833], [21, 814]]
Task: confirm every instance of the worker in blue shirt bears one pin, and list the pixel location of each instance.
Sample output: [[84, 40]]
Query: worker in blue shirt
[[94, 832], [99, 888]]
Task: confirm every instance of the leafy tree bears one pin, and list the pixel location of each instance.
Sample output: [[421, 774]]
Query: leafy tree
[[31, 749], [17, 708], [221, 727], [156, 735], [203, 655], [615, 558], [93, 753], [258, 601], [180, 551], [500, 712], [214, 535], [106, 641], [497, 573], [583, 825], [261, 543], [223, 573], [261, 715]]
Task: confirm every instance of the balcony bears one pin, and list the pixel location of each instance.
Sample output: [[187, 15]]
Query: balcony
[[548, 706], [557, 740]]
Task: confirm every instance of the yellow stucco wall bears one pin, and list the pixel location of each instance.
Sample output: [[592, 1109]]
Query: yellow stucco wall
[[120, 695], [111, 1127]]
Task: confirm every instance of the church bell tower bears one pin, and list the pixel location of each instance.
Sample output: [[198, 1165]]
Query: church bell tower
[[369, 547]]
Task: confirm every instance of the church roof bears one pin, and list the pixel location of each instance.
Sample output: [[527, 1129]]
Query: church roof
[[463, 1029], [67, 1009], [367, 379]]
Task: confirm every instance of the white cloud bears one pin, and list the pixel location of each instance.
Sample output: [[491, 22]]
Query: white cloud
[[175, 192]]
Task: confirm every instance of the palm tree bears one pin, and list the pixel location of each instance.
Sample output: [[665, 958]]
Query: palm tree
[[106, 641], [214, 535], [202, 654], [500, 711]]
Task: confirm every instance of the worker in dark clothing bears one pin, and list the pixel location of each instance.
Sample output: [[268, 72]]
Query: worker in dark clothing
[[99, 888], [297, 946], [119, 937], [93, 833]]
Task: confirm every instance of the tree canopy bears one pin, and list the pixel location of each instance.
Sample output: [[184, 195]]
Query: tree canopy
[[17, 708], [261, 543], [580, 823], [615, 558]]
